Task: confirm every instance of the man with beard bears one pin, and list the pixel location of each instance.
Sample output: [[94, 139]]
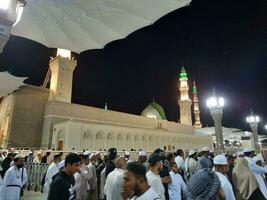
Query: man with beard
[[136, 185], [14, 180], [142, 158], [153, 177]]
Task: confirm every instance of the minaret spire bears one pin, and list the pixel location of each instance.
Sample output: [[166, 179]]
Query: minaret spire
[[184, 101], [197, 123]]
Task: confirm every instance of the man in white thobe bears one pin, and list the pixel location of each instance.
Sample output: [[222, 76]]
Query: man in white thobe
[[51, 172], [82, 185], [221, 167], [114, 181], [93, 194], [177, 188], [14, 180], [153, 177], [260, 177]]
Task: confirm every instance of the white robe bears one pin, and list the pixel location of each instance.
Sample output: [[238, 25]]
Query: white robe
[[102, 184], [51, 171], [177, 187], [113, 186], [154, 181], [12, 183], [226, 186]]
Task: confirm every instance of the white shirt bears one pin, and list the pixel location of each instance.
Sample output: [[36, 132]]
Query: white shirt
[[102, 184], [255, 168], [262, 184], [154, 181], [190, 167], [150, 194], [176, 187], [12, 183], [226, 186], [51, 171], [113, 186], [180, 161]]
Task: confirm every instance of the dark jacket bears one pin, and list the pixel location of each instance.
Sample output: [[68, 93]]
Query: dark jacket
[[62, 187], [110, 167], [5, 165]]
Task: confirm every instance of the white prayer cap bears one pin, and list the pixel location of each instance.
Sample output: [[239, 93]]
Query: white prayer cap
[[142, 153], [127, 153], [98, 152], [87, 153], [240, 153], [61, 164], [91, 156], [220, 160], [205, 149], [248, 149], [39, 153], [234, 155], [19, 156], [256, 159], [192, 152]]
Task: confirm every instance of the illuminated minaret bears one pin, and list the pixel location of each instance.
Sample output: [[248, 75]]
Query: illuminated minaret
[[184, 101], [197, 123]]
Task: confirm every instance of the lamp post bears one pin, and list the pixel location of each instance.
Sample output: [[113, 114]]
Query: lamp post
[[10, 14], [215, 105], [253, 121]]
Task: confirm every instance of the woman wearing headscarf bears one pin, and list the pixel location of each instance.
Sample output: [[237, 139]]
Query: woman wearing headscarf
[[245, 183], [205, 185]]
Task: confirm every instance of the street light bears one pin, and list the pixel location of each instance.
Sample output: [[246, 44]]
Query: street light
[[215, 105], [10, 14], [253, 121]]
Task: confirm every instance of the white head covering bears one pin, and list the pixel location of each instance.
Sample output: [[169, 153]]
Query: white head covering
[[87, 153], [220, 160], [91, 156], [248, 149], [205, 149], [240, 153], [142, 153], [192, 152], [127, 153]]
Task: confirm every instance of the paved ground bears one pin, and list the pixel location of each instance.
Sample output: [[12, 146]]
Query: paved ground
[[32, 195]]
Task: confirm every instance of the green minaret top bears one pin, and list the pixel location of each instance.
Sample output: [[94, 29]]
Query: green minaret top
[[194, 87], [183, 73], [106, 106]]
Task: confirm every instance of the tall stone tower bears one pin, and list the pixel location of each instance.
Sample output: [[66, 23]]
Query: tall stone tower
[[184, 101], [62, 68], [197, 123]]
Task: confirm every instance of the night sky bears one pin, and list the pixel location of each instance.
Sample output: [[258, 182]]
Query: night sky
[[222, 43]]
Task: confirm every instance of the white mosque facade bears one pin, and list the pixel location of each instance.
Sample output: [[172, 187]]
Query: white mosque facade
[[37, 117]]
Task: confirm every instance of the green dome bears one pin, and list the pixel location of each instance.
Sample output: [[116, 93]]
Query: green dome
[[155, 110], [159, 108]]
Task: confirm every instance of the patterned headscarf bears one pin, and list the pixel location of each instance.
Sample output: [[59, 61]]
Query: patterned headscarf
[[204, 185]]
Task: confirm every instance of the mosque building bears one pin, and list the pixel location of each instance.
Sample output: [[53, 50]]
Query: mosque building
[[39, 117]]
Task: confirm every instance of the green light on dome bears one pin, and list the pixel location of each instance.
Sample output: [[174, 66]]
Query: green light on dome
[[183, 75], [194, 89]]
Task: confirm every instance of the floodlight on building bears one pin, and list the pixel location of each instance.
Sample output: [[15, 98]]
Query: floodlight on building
[[64, 53], [215, 105]]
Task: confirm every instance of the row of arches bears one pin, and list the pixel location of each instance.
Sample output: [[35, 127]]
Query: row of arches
[[125, 141]]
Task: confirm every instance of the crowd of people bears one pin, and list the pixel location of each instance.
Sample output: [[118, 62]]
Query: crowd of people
[[198, 175]]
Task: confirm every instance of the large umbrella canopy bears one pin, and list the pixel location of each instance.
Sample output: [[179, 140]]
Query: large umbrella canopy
[[9, 83], [80, 25]]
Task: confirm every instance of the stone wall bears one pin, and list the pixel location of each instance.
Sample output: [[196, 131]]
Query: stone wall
[[27, 119]]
